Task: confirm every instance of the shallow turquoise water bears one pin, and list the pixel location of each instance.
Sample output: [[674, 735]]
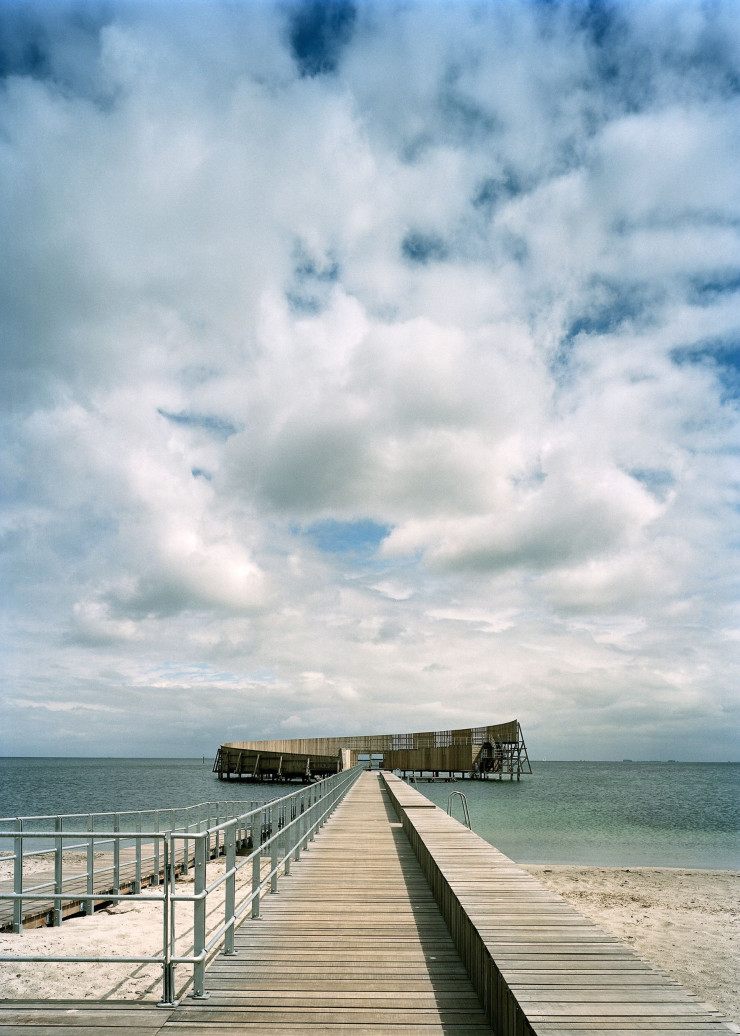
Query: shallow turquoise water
[[611, 814], [620, 814]]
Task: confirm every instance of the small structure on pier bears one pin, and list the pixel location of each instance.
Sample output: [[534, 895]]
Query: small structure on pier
[[493, 751]]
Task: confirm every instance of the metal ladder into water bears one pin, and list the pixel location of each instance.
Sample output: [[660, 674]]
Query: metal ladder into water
[[466, 811]]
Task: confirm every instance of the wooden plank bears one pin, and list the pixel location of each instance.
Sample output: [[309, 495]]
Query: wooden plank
[[61, 1029], [80, 1018]]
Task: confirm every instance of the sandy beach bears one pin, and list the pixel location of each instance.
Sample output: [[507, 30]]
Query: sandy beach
[[130, 928], [682, 921]]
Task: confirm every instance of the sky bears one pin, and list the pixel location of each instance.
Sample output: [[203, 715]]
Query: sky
[[369, 367]]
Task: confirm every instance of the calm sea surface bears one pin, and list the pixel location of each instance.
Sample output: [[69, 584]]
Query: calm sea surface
[[611, 814], [619, 814]]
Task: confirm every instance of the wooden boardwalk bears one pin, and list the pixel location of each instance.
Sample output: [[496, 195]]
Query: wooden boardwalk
[[539, 966], [354, 942]]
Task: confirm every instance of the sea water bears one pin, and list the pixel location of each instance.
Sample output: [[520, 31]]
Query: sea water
[[610, 814], [51, 787]]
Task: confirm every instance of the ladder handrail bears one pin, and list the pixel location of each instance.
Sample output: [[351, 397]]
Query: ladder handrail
[[466, 811]]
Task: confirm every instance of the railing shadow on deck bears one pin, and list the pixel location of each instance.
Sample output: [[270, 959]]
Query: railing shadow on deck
[[445, 970]]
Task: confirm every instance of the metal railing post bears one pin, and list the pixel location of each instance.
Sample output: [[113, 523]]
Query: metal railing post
[[230, 891], [287, 835], [58, 871], [18, 877], [173, 862], [89, 905], [173, 879], [116, 855], [309, 819], [137, 878], [168, 968], [299, 825], [273, 851], [185, 844], [199, 919], [256, 878], [156, 848]]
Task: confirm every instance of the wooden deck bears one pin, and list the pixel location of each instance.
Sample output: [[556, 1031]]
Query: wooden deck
[[354, 942]]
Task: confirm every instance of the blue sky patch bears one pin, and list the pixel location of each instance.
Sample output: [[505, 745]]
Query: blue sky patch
[[657, 480], [319, 31], [419, 247], [465, 118], [705, 292], [722, 355], [612, 306], [312, 281], [57, 43], [496, 190], [361, 538], [217, 426]]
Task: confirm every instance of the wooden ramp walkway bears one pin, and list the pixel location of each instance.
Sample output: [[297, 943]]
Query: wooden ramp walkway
[[354, 943]]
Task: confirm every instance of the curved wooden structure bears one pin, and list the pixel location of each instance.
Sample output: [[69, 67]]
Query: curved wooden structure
[[478, 752]]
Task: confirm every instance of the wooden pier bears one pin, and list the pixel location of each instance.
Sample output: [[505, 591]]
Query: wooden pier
[[492, 751], [400, 920]]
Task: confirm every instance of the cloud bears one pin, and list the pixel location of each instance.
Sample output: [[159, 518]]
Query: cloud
[[59, 706], [387, 350]]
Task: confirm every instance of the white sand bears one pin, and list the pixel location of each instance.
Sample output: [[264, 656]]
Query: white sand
[[132, 928], [682, 921], [43, 863]]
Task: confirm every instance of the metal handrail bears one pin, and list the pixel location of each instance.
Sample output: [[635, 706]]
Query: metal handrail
[[284, 827], [133, 812], [466, 811]]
